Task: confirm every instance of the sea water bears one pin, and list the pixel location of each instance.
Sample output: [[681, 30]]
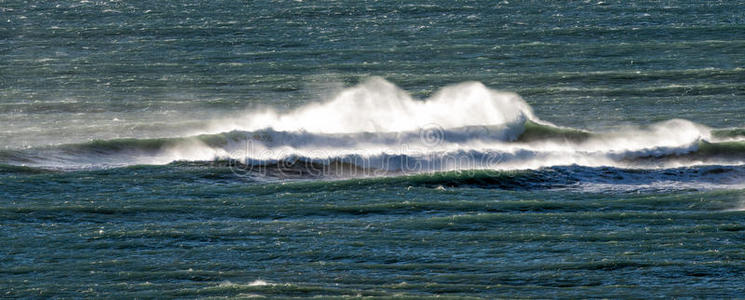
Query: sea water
[[372, 148]]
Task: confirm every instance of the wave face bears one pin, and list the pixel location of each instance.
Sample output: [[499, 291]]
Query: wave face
[[377, 129]]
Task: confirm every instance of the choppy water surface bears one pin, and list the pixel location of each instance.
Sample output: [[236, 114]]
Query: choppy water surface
[[334, 148]]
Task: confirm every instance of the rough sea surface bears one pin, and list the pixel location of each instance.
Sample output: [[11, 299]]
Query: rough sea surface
[[455, 149]]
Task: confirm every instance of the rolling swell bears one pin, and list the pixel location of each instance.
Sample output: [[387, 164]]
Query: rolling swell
[[300, 175], [537, 132], [696, 168], [528, 146]]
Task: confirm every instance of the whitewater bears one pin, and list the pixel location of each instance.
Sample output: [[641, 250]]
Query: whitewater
[[380, 129]]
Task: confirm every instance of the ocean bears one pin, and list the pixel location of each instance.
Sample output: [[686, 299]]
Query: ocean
[[392, 149]]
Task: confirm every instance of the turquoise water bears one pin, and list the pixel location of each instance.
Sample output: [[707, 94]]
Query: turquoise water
[[347, 148]]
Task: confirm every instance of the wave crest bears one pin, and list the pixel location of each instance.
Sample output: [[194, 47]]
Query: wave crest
[[377, 105], [377, 126]]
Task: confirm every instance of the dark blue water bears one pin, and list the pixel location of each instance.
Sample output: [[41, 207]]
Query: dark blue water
[[348, 148]]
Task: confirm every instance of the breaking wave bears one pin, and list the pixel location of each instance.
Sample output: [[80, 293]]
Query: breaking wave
[[377, 129]]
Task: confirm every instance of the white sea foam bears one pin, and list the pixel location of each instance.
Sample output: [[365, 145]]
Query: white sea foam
[[258, 282], [377, 105], [379, 126]]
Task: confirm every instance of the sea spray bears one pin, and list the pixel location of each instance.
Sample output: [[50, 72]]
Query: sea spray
[[377, 128], [377, 105]]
